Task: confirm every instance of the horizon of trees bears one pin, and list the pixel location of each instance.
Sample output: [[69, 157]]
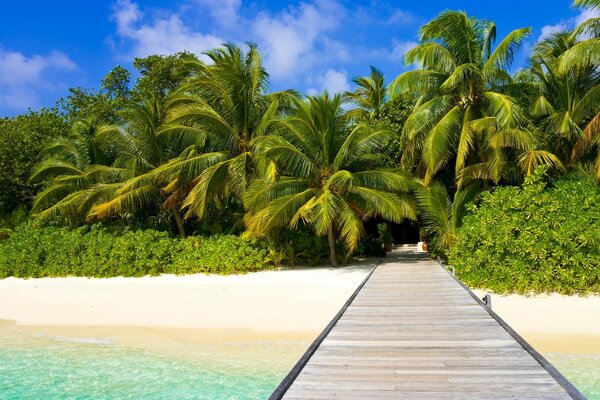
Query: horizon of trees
[[203, 147]]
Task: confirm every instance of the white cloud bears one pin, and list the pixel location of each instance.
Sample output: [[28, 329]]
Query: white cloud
[[166, 35], [22, 78], [586, 14], [296, 38], [401, 17], [400, 47], [224, 12], [548, 30], [332, 81]]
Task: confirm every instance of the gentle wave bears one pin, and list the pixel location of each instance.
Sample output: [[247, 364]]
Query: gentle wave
[[84, 340]]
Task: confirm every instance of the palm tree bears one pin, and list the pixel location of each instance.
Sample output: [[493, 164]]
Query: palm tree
[[99, 172], [369, 96], [442, 216], [321, 176], [74, 166], [463, 114], [144, 147], [226, 105], [586, 53], [567, 104], [587, 3]]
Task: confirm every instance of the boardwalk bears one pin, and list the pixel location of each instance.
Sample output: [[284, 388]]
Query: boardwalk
[[413, 332]]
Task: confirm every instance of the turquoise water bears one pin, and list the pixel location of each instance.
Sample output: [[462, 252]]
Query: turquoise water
[[33, 367], [582, 370], [52, 368]]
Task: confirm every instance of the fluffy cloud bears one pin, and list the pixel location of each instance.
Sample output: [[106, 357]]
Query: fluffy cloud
[[549, 30], [295, 39], [166, 35], [23, 79], [585, 14], [332, 81], [224, 12], [400, 47]]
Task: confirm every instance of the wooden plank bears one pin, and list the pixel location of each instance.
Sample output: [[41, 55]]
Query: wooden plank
[[413, 331]]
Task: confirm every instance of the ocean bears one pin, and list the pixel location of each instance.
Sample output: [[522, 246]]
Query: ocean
[[54, 367], [42, 367]]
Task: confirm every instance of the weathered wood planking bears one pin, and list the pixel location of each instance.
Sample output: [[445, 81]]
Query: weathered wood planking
[[412, 331]]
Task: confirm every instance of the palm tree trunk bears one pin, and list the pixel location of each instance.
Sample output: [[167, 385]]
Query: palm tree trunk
[[180, 226], [332, 254]]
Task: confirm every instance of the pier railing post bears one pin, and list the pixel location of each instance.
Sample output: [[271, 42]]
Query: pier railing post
[[487, 300]]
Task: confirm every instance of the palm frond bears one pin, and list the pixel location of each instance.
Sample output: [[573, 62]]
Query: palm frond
[[350, 226], [504, 54], [530, 160], [583, 54], [387, 205], [281, 211]]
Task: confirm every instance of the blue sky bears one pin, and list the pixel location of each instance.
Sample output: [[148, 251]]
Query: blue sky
[[48, 46]]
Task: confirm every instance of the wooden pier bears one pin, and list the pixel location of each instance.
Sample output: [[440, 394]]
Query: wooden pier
[[413, 331]]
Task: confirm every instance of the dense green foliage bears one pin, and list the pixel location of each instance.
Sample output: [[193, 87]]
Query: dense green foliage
[[97, 252], [197, 148], [322, 176], [541, 238], [22, 140]]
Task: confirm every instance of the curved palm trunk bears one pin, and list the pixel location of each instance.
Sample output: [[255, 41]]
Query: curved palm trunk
[[332, 254], [180, 226]]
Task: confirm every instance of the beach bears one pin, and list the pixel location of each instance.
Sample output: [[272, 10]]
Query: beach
[[237, 335], [269, 305], [552, 322], [232, 336], [292, 304]]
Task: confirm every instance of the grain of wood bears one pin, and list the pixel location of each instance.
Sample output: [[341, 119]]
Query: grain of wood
[[413, 332]]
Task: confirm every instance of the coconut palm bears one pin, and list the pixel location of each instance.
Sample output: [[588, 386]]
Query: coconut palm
[[144, 146], [74, 166], [586, 52], [463, 114], [442, 216], [369, 95], [567, 105], [322, 178], [225, 103], [587, 3], [105, 171]]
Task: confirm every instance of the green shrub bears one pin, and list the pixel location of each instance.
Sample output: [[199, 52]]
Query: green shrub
[[301, 245], [534, 239], [94, 251], [370, 246]]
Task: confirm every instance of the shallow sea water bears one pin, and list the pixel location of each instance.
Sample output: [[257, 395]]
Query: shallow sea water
[[43, 367], [582, 370], [33, 367]]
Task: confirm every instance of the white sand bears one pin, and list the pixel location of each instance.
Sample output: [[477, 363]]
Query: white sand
[[552, 322], [272, 304], [289, 300]]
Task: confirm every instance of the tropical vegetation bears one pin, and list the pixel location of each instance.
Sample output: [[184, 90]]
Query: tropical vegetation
[[321, 177], [203, 150], [100, 252], [543, 237]]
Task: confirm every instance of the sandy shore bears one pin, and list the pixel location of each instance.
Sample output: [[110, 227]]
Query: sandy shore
[[264, 306], [300, 300], [552, 323]]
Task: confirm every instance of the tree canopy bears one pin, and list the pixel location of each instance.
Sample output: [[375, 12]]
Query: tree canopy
[[203, 144]]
